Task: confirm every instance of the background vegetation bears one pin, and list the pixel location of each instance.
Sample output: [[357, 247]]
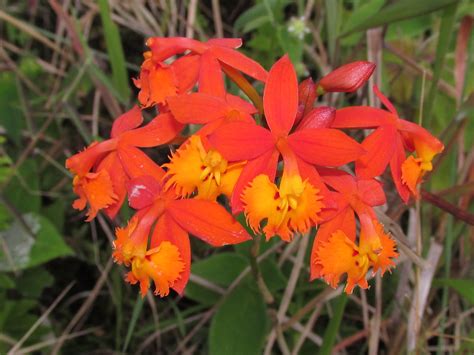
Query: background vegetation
[[65, 74]]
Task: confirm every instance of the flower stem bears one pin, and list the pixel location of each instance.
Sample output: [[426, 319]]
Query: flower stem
[[257, 274]]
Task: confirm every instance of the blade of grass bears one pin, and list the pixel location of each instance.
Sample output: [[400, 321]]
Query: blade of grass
[[445, 33], [333, 327], [332, 27], [115, 50], [400, 10], [137, 309]]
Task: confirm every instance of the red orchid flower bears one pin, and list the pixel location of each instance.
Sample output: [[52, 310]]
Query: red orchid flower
[[238, 141], [335, 250], [102, 169], [204, 65], [168, 259], [387, 144]]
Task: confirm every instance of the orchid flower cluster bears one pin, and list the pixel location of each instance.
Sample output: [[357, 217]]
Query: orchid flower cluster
[[279, 159]]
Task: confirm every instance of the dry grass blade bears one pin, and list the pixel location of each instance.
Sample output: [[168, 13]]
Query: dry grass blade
[[421, 295], [40, 320]]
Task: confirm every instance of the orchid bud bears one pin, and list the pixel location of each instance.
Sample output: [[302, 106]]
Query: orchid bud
[[306, 96], [320, 117], [347, 78]]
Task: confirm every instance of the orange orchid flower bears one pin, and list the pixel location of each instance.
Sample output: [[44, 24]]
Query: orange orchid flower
[[387, 144], [335, 250], [168, 260], [102, 169], [203, 65], [261, 147]]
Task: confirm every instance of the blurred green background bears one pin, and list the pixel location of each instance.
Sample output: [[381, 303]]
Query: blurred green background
[[65, 74]]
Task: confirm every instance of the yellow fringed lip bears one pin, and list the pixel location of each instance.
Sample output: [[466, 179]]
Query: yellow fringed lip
[[193, 169], [292, 207]]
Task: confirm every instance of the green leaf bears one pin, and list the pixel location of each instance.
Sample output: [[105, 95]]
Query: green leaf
[[114, 49], [32, 282], [465, 288], [333, 327], [256, 16], [239, 325], [137, 310], [22, 191], [27, 248], [12, 118], [220, 269], [399, 10]]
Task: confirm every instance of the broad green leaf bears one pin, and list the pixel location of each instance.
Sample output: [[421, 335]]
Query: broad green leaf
[[333, 327], [465, 288], [24, 250], [114, 49], [220, 269], [239, 325], [33, 281], [399, 10], [6, 282], [23, 190]]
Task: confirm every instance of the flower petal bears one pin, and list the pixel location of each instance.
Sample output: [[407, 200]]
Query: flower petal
[[208, 221], [306, 96], [211, 80], [112, 164], [161, 130], [396, 168], [241, 140], [264, 164], [280, 97], [371, 192], [136, 163], [362, 117], [198, 108], [166, 229], [325, 146], [186, 71], [379, 150], [226, 42], [347, 78], [127, 121], [240, 62]]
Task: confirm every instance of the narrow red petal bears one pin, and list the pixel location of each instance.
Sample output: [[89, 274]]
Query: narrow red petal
[[129, 120], [208, 221], [396, 168], [197, 108], [362, 117], [166, 229], [161, 130], [240, 104], [380, 149], [264, 164], [186, 71], [347, 78], [280, 97], [112, 164], [306, 96], [240, 62], [136, 163], [241, 140], [371, 192], [226, 42], [385, 101], [324, 146], [339, 180], [211, 78]]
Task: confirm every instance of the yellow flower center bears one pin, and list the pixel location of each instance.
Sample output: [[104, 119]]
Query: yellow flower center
[[293, 207], [192, 169]]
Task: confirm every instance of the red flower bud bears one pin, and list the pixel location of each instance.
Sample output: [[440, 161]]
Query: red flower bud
[[306, 96], [347, 78], [320, 117]]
